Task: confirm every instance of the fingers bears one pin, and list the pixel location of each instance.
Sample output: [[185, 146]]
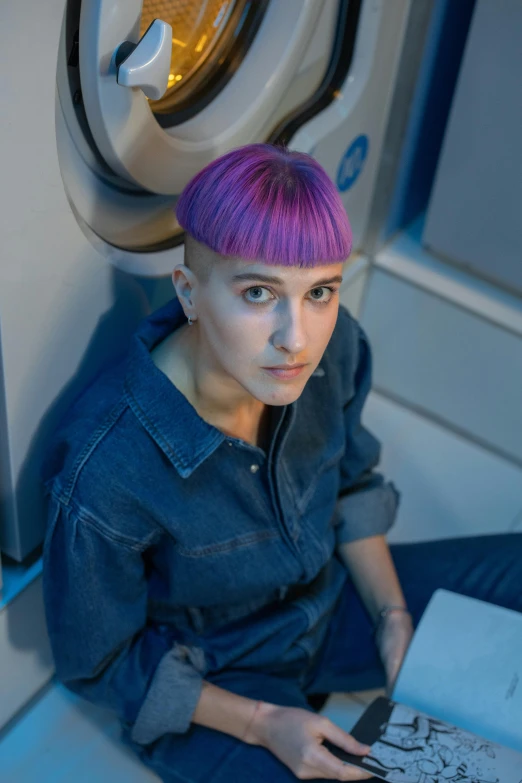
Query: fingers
[[344, 740], [355, 773], [326, 765]]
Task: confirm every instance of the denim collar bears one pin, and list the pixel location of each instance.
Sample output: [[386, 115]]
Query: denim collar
[[185, 438]]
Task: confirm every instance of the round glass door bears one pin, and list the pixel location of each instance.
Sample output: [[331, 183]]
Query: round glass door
[[208, 38]]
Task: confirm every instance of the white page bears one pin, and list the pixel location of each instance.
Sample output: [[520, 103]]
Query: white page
[[464, 666]]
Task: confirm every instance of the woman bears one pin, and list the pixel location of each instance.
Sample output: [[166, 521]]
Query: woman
[[216, 548]]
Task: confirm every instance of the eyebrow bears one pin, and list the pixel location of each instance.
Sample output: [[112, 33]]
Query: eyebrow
[[278, 281]]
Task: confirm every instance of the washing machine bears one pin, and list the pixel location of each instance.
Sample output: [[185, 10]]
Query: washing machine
[[109, 108]]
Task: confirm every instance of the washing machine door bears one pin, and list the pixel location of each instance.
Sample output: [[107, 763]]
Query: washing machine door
[[157, 105], [151, 91]]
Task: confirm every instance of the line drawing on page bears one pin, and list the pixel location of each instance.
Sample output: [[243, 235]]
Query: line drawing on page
[[415, 748]]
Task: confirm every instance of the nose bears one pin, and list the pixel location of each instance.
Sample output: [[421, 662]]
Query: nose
[[290, 335]]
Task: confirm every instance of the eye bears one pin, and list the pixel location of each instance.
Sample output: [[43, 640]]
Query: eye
[[333, 291], [257, 299]]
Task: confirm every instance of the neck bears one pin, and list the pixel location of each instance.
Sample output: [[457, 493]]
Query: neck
[[216, 398]]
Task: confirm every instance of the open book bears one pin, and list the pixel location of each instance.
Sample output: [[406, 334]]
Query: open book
[[456, 708]]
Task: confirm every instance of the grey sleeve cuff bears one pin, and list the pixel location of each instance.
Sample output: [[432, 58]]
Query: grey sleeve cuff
[[173, 695], [367, 512]]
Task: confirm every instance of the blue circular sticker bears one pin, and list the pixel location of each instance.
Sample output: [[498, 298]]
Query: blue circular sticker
[[352, 162]]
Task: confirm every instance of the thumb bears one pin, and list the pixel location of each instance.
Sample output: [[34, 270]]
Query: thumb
[[345, 741]]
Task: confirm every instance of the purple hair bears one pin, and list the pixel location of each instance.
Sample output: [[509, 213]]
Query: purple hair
[[267, 203]]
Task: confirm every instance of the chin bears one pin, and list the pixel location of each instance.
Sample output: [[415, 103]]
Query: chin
[[284, 394]]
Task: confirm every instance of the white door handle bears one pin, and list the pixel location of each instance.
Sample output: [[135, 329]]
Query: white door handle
[[147, 63]]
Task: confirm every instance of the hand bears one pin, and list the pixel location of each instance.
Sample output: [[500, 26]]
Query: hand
[[295, 737], [393, 639]]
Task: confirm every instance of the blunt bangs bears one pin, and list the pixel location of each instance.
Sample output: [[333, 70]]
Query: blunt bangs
[[267, 203]]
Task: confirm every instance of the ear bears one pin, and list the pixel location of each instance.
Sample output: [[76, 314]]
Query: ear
[[185, 283]]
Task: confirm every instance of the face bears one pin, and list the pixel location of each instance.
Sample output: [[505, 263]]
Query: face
[[252, 316]]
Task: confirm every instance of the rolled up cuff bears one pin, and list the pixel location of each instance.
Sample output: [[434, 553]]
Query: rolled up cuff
[[173, 695], [368, 512]]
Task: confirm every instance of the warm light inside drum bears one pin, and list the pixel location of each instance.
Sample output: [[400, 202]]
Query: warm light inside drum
[[197, 26]]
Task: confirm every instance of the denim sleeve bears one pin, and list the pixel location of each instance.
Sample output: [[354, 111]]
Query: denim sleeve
[[367, 504], [95, 594]]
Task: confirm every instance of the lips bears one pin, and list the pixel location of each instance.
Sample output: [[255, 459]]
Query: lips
[[287, 373], [284, 367]]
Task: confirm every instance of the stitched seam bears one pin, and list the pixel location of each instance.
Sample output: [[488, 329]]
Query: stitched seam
[[91, 445], [118, 538], [228, 546]]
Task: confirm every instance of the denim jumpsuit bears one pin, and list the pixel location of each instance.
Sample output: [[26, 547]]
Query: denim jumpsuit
[[176, 553]]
